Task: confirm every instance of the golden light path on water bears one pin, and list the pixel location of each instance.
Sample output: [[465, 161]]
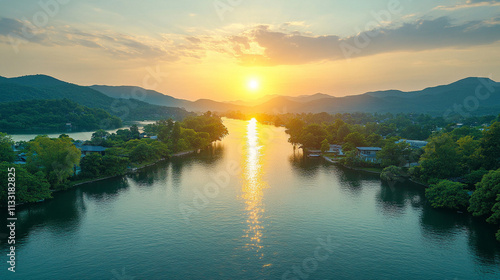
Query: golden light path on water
[[253, 185]]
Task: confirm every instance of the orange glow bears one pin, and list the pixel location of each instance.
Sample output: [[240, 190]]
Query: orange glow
[[253, 185]]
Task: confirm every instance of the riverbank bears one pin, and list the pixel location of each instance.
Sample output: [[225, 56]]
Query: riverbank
[[131, 170], [372, 170]]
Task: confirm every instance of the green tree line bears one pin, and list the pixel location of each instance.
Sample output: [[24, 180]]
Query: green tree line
[[460, 163], [51, 162], [53, 115]]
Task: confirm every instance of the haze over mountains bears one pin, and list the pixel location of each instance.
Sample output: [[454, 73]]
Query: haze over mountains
[[432, 100]]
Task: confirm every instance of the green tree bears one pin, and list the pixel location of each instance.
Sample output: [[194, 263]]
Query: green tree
[[176, 133], [485, 201], [114, 165], [356, 139], [99, 137], [351, 159], [143, 152], [469, 151], [490, 147], [29, 187], [394, 154], [475, 177], [342, 132], [6, 152], [294, 129], [374, 140], [485, 196], [161, 149], [56, 157], [441, 159], [313, 135], [134, 132], [91, 165], [447, 194], [392, 173], [325, 146], [348, 147]]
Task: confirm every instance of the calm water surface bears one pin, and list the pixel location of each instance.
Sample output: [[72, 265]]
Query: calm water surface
[[86, 135], [250, 208]]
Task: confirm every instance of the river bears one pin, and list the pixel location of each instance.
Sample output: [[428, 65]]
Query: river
[[251, 207], [85, 135]]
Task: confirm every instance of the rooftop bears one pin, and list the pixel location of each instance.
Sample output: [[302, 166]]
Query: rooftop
[[93, 149], [369, 148]]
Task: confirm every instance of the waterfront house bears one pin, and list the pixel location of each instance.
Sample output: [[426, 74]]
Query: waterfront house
[[414, 144], [336, 149], [368, 153]]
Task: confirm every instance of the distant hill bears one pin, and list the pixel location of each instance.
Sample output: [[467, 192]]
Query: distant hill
[[128, 103], [53, 115], [42, 87], [154, 97], [46, 87], [307, 98], [150, 96], [433, 100]]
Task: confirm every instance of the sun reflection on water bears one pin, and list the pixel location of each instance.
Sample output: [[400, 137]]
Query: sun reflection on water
[[253, 185]]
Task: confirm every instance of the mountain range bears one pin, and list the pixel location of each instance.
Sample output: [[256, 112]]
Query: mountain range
[[460, 97], [42, 87]]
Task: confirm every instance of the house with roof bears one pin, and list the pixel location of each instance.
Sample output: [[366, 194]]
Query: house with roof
[[414, 144], [87, 149], [336, 149], [368, 153]]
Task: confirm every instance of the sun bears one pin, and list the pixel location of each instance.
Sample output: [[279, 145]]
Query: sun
[[253, 85]]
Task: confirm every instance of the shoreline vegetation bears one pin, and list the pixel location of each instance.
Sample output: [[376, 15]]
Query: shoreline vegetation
[[456, 159], [131, 170], [457, 163], [47, 116], [46, 165]]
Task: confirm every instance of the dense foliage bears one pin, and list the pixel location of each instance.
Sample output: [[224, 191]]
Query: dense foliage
[[53, 115], [127, 146], [55, 157], [447, 194], [392, 173], [6, 151], [95, 165], [29, 187], [52, 162], [458, 159]]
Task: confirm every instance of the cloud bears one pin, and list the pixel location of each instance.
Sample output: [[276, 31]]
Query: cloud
[[14, 31], [14, 28], [263, 45], [470, 4], [281, 48]]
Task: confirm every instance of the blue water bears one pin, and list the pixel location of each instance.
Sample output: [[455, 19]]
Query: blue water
[[251, 207]]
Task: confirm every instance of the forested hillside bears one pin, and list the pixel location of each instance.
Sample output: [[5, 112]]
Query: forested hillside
[[53, 115], [42, 87]]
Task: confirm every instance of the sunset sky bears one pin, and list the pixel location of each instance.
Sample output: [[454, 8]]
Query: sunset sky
[[242, 49]]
